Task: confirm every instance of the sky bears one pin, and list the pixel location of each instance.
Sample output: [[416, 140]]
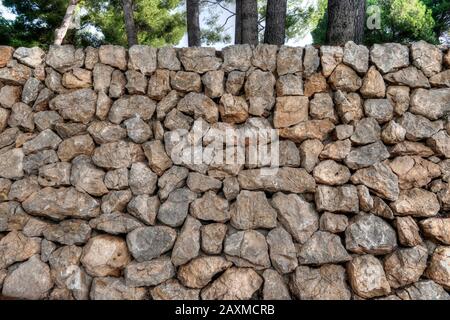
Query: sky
[[229, 28]]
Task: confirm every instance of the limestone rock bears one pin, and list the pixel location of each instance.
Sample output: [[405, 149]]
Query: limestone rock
[[75, 146], [113, 155], [416, 202], [283, 254], [210, 207], [247, 249], [405, 266], [424, 290], [187, 245], [275, 287], [337, 199], [212, 236], [367, 277], [414, 172], [315, 252], [356, 56], [367, 156], [11, 164], [389, 57], [289, 60], [233, 284], [380, 179], [61, 203], [112, 288], [373, 84], [200, 60], [311, 60], [289, 85], [65, 57], [200, 271], [290, 111], [426, 57], [77, 106], [368, 233], [345, 78], [115, 223], [432, 104], [330, 58], [149, 273], [30, 280], [142, 58], [214, 83], [296, 215], [438, 268], [367, 130], [16, 247], [173, 290], [186, 81], [325, 283], [145, 208], [147, 243], [312, 129], [129, 107], [437, 229], [349, 106], [331, 173], [410, 76], [334, 223]]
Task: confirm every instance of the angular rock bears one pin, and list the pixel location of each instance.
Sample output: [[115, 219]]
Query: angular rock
[[330, 57], [247, 249], [337, 199], [437, 229], [432, 104], [233, 109], [149, 273], [336, 150], [173, 290], [105, 132], [289, 60], [130, 107], [389, 57], [296, 215], [237, 57], [12, 164], [136, 82], [186, 81], [367, 277], [424, 290], [112, 288], [212, 236], [356, 56], [76, 146], [325, 283], [367, 130], [159, 84], [145, 208], [367, 156], [373, 84], [210, 207], [214, 83], [31, 280], [77, 106], [322, 107], [379, 109], [65, 57], [414, 172], [200, 271], [315, 252], [426, 57], [170, 180], [113, 55], [331, 173], [416, 202], [368, 233], [438, 270], [115, 223], [290, 110], [68, 232], [138, 130], [61, 203], [174, 210], [380, 179], [147, 243], [349, 106], [289, 85], [16, 247], [115, 201], [9, 95], [312, 129], [113, 155], [142, 58], [334, 223], [199, 60]]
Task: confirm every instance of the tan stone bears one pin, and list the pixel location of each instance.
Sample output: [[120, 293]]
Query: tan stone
[[290, 111]]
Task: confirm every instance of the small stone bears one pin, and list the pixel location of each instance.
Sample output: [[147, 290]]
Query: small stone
[[408, 231], [147, 243], [113, 155], [34, 161], [367, 156], [311, 61], [314, 84], [91, 57], [437, 229], [331, 173], [233, 284], [174, 210], [113, 55], [142, 58], [367, 277], [15, 73], [172, 179], [433, 104], [233, 109], [138, 130], [167, 59], [16, 247], [334, 223], [235, 82], [315, 252], [47, 120], [130, 107], [31, 90], [356, 56], [187, 245], [9, 95], [199, 60], [424, 290], [159, 84], [416, 202], [61, 203], [399, 98], [117, 86], [405, 266], [252, 211], [275, 287], [393, 133], [186, 81], [426, 57], [20, 190], [111, 288], [368, 233], [115, 201], [312, 129], [210, 207], [145, 208], [265, 57], [381, 209], [290, 111], [380, 179], [365, 199], [104, 132], [173, 290], [289, 85], [337, 199], [136, 82], [418, 127], [373, 84], [64, 58], [331, 57], [247, 249], [45, 140], [336, 150], [214, 83], [200, 271], [367, 130], [199, 105], [237, 57], [289, 60], [68, 232], [349, 106], [157, 157], [389, 57], [325, 283], [149, 273], [441, 79], [21, 116], [30, 280], [212, 236], [115, 223], [296, 215], [77, 106], [322, 107], [438, 267], [411, 77]]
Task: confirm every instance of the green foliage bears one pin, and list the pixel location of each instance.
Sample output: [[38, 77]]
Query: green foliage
[[157, 22], [403, 21], [441, 13], [303, 17]]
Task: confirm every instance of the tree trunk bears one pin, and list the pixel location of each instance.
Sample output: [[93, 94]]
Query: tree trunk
[[275, 32], [130, 27], [61, 32], [249, 20], [193, 22], [345, 21], [238, 23]]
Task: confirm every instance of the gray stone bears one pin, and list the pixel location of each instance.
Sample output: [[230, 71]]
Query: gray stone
[[147, 243]]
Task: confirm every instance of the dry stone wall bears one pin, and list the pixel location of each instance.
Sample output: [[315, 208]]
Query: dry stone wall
[[103, 194]]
